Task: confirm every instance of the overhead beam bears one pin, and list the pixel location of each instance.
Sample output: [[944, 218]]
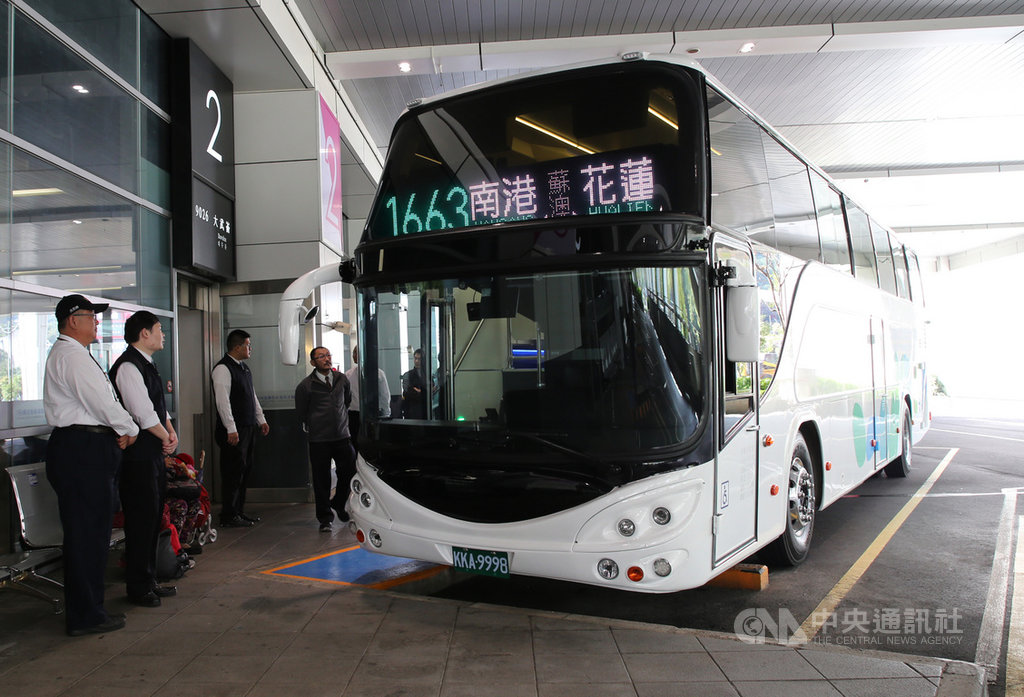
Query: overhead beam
[[717, 43], [980, 255]]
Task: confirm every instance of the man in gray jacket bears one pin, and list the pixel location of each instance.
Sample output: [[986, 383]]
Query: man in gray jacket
[[322, 400]]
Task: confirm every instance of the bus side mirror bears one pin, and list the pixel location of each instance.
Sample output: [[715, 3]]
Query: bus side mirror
[[292, 313], [742, 317]]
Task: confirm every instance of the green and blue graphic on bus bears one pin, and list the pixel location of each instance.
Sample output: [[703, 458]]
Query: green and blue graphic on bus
[[595, 184]]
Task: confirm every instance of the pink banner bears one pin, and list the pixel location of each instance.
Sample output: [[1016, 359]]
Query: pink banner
[[330, 178]]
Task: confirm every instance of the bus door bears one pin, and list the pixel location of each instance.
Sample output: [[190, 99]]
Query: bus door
[[438, 359], [880, 441], [735, 520]]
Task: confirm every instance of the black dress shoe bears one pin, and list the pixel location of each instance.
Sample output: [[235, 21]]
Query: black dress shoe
[[325, 527], [250, 518], [236, 522], [113, 623], [165, 591], [150, 599]]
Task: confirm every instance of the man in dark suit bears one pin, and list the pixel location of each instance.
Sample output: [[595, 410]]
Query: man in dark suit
[[321, 401]]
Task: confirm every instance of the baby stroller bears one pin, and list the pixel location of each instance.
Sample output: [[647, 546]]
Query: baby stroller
[[188, 502]]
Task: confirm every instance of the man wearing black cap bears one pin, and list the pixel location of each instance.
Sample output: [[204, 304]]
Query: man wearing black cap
[[83, 457]]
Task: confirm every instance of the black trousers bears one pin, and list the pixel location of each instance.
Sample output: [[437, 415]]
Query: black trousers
[[320, 456], [141, 502], [235, 465], [353, 427], [82, 467]]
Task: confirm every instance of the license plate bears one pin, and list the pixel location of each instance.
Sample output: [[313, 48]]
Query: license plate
[[480, 561]]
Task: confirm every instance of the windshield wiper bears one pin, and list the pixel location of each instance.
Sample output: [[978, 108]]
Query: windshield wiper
[[557, 447]]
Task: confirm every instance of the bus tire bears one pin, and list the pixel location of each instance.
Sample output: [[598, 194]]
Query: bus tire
[[900, 467], [791, 548]]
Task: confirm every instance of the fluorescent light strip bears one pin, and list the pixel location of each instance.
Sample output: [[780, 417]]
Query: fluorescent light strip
[[36, 192], [537, 127], [654, 112], [73, 269]]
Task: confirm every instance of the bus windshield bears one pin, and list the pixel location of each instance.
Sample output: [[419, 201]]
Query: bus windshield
[[625, 141], [568, 364]]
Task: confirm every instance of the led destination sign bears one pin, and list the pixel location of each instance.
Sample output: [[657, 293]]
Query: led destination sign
[[599, 184]]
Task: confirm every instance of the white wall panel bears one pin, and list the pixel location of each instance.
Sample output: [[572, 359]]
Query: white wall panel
[[278, 202], [275, 126], [272, 261]]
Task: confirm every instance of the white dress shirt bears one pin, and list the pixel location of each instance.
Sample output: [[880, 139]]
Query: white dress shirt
[[135, 395], [77, 391], [383, 391], [222, 395]]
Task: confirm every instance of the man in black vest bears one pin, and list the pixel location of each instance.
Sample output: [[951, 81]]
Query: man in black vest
[[239, 415], [322, 400], [141, 391]]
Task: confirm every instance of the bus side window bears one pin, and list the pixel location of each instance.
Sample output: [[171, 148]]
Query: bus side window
[[835, 249], [916, 289], [883, 255], [860, 242], [774, 310], [795, 230], [899, 259], [740, 197]]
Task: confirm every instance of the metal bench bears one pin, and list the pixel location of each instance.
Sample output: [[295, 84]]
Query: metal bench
[[40, 537]]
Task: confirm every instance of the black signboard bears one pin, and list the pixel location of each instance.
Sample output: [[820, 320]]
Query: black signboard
[[213, 230], [204, 165]]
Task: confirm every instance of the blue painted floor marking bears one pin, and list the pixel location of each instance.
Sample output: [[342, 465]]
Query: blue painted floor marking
[[355, 566]]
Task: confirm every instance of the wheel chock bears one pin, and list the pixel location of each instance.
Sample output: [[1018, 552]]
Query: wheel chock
[[745, 576]]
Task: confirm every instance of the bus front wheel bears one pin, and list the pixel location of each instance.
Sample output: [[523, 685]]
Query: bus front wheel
[[793, 545], [900, 467]]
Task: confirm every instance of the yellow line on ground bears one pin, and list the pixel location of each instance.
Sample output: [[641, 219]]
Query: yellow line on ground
[[828, 605], [1015, 645], [306, 561]]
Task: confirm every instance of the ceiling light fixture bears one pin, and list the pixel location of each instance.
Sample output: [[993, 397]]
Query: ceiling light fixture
[[538, 127], [404, 67], [18, 193], [80, 89], [69, 269], [747, 47]]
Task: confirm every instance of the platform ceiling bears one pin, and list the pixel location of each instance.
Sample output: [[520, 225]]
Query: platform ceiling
[[916, 105]]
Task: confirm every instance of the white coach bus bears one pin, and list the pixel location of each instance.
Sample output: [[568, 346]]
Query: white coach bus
[[654, 339]]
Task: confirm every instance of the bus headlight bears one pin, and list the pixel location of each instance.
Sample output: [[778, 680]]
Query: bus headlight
[[661, 515], [365, 499], [374, 538], [607, 569], [662, 567], [626, 527], [357, 486]]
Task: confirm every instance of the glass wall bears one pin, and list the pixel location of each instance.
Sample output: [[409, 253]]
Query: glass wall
[[84, 187]]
